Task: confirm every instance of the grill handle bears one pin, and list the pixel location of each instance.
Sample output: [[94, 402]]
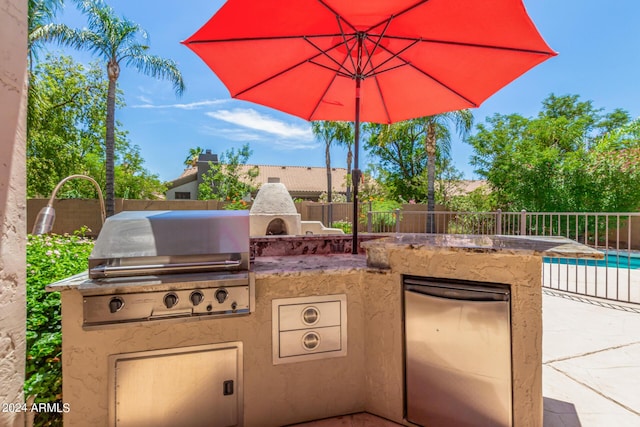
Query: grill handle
[[143, 270]]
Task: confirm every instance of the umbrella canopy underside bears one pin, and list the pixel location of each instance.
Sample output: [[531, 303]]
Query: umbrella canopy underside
[[413, 58]]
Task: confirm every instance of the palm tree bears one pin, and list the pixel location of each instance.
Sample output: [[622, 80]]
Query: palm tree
[[330, 132], [346, 140], [192, 159], [438, 135], [41, 13], [114, 39]]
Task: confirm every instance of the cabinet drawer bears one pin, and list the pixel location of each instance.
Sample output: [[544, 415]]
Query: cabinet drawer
[[312, 315], [308, 341]]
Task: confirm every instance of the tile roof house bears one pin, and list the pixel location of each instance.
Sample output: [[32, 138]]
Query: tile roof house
[[304, 182]]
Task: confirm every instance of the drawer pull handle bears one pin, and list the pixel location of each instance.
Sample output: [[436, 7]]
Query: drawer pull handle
[[310, 316], [310, 341]]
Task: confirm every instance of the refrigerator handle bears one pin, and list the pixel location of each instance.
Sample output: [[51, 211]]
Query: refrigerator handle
[[457, 294]]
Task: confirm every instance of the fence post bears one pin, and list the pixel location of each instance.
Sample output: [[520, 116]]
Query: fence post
[[369, 222], [523, 222], [397, 220], [499, 221]]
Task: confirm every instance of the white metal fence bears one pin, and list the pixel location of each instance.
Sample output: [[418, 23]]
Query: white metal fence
[[617, 235]]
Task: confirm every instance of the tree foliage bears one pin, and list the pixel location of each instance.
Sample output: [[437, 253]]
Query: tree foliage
[[332, 133], [402, 159], [228, 181], [192, 158], [65, 134], [572, 157], [117, 41]]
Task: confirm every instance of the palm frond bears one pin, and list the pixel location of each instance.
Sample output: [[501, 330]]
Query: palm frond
[[155, 66]]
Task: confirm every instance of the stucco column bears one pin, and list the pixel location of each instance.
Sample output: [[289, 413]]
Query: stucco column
[[13, 100]]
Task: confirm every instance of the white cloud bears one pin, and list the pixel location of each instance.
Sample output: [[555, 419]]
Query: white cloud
[[251, 119], [144, 99], [189, 106], [286, 145], [243, 135], [233, 134]]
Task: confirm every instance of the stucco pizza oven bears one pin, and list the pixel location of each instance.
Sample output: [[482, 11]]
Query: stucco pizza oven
[[273, 213]]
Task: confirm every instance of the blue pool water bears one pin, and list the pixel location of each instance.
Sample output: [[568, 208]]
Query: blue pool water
[[612, 259]]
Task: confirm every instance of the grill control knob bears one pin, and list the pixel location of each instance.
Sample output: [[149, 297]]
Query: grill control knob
[[196, 297], [170, 300], [221, 295], [115, 304]]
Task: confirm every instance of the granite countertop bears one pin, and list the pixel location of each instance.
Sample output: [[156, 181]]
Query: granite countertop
[[301, 264], [262, 267], [548, 246]]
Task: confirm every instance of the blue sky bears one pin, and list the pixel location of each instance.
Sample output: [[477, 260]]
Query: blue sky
[[598, 59]]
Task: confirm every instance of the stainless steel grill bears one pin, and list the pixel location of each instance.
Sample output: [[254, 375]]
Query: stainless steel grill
[[153, 265]]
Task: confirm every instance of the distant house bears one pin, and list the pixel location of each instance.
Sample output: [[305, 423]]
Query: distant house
[[448, 189], [466, 186], [303, 182]]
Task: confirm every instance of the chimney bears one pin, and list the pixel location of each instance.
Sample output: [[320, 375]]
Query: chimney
[[203, 163], [273, 180]]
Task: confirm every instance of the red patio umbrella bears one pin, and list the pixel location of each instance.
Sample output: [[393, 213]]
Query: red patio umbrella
[[378, 61]]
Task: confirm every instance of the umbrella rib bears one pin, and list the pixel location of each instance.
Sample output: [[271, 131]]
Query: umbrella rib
[[273, 76], [338, 72], [338, 16], [382, 33], [447, 87], [393, 55], [377, 73], [310, 60], [323, 95], [476, 45], [395, 15], [324, 52], [251, 39], [384, 104], [346, 42]]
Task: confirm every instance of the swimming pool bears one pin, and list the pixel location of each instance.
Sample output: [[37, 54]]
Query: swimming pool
[[612, 259]]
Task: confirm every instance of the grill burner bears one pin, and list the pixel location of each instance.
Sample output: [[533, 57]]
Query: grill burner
[[151, 265]]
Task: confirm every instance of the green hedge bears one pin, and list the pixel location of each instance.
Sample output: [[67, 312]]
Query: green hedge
[[49, 258]]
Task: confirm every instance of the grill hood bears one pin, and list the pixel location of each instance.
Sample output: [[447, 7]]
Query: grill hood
[[160, 242]]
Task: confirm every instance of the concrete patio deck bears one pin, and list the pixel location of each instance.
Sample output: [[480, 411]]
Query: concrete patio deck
[[591, 362], [591, 365]]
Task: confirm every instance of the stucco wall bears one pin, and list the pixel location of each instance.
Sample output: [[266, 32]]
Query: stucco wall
[[273, 395], [522, 272], [13, 67], [370, 378]]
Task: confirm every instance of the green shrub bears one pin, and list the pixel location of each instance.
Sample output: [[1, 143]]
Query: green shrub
[[343, 225], [49, 258], [383, 210]]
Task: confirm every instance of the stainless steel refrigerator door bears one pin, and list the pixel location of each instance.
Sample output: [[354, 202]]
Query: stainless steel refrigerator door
[[458, 361]]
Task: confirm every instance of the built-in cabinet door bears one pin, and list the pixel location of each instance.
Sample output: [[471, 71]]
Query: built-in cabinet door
[[193, 386]]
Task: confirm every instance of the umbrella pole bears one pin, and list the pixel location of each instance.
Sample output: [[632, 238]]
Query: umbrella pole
[[355, 175]]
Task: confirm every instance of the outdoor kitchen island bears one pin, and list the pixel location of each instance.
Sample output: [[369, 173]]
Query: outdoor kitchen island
[[366, 374]]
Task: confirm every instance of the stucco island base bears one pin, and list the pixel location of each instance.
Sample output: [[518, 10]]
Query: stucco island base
[[370, 377]]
